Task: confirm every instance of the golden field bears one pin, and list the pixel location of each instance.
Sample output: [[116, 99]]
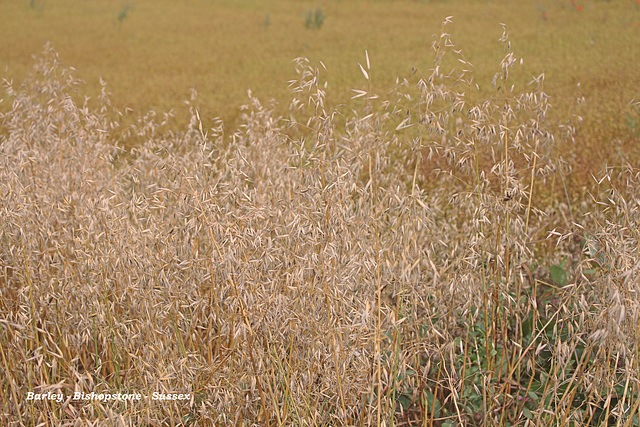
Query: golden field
[[425, 233], [152, 53]]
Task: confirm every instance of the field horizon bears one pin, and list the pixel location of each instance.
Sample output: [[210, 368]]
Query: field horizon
[[152, 55]]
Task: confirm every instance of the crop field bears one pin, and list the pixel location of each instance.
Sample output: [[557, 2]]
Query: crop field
[[338, 213]]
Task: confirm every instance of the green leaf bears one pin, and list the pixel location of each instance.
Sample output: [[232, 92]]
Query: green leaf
[[527, 327], [404, 401], [431, 403], [558, 274], [543, 378]]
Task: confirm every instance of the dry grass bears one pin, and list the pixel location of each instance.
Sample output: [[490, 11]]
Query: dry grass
[[305, 270]]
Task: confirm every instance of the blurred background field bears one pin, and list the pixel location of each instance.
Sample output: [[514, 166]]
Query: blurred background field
[[152, 53]]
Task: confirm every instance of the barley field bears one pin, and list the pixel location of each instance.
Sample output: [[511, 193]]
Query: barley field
[[447, 247]]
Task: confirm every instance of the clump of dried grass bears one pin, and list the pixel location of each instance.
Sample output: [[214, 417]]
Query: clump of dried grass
[[304, 270]]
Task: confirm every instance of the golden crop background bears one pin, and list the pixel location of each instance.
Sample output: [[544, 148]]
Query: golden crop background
[[151, 53]]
